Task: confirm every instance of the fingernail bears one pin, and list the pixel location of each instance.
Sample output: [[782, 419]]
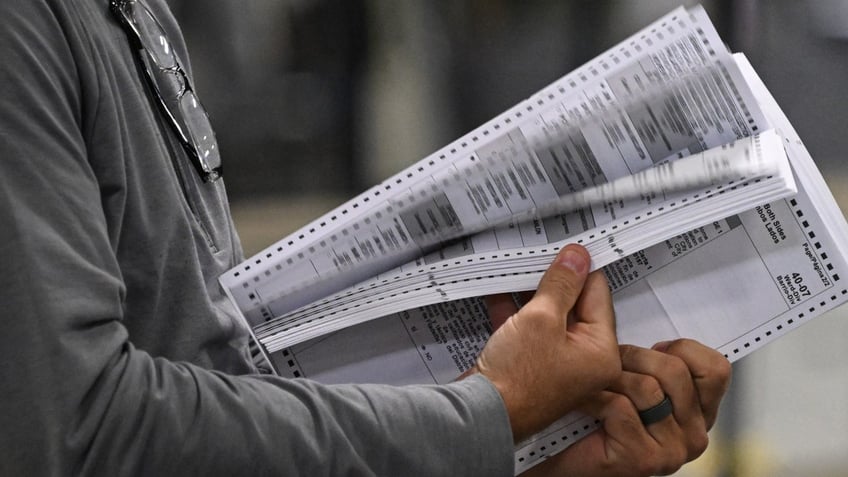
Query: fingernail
[[574, 261], [662, 346]]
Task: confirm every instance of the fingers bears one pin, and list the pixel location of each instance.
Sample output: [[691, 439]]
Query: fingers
[[595, 304], [580, 304], [628, 447], [671, 372], [542, 367], [644, 391], [656, 372], [710, 370], [689, 373], [566, 284], [561, 284]]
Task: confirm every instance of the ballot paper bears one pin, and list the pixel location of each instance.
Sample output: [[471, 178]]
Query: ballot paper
[[665, 156]]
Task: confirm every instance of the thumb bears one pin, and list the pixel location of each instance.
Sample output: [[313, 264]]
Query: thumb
[[563, 282]]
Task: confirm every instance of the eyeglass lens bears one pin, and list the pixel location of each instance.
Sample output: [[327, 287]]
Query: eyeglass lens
[[200, 129], [153, 38], [171, 84]]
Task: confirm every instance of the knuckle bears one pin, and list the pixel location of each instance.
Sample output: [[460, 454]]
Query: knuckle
[[679, 456], [665, 462], [623, 408], [652, 464], [669, 468], [686, 343], [675, 366], [647, 466], [626, 352], [698, 443], [723, 369], [649, 389], [719, 373]]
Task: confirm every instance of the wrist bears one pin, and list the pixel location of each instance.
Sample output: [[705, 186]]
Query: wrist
[[518, 411]]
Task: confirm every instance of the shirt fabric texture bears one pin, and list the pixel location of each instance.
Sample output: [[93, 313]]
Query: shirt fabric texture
[[119, 354]]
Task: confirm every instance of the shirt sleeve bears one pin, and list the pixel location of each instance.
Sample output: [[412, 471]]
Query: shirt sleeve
[[79, 399]]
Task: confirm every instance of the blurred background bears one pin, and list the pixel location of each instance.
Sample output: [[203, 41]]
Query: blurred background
[[315, 100]]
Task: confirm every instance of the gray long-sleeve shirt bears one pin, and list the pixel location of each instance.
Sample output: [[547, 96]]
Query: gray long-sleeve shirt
[[118, 353]]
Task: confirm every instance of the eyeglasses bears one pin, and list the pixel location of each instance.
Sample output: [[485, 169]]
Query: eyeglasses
[[174, 91]]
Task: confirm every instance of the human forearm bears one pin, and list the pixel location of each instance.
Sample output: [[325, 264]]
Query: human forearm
[[144, 416]]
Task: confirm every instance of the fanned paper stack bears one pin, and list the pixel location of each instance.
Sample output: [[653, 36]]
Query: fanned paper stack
[[665, 157]]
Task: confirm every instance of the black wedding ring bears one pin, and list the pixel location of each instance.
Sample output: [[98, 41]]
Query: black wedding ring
[[656, 413]]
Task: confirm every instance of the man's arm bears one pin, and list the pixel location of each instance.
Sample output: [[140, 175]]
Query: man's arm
[[79, 398]]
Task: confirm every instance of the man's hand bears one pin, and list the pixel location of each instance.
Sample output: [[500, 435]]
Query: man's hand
[[693, 376], [558, 349]]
